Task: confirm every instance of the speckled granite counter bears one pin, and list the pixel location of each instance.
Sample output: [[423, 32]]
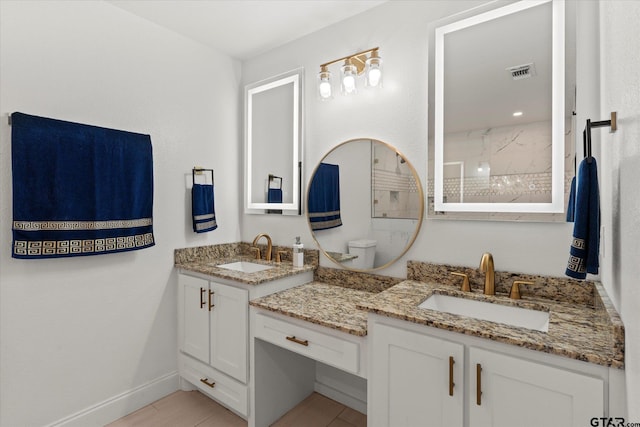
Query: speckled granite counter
[[583, 325], [588, 332], [206, 259], [322, 304]]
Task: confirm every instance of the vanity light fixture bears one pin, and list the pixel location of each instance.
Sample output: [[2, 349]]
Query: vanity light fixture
[[366, 62], [517, 113]]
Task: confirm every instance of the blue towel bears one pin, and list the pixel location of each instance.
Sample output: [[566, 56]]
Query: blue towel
[[324, 198], [585, 244], [571, 206], [79, 189], [274, 195], [203, 208]]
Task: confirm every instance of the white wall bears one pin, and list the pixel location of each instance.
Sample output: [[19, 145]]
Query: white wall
[[76, 332], [619, 171], [398, 115]]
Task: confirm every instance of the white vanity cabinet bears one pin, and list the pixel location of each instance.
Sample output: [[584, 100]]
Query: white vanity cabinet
[[418, 380], [509, 391], [212, 328], [425, 376], [213, 324], [213, 333]]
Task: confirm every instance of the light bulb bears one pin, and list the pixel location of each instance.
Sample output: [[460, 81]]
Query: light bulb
[[325, 89], [324, 83], [349, 73], [349, 83], [374, 70], [374, 76]]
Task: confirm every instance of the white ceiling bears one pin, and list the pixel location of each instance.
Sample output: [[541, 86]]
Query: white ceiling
[[245, 28]]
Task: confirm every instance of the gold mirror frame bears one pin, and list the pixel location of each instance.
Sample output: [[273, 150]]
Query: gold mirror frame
[[419, 220]]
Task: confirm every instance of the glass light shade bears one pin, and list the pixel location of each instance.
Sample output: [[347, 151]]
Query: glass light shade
[[374, 70], [325, 90], [348, 80]]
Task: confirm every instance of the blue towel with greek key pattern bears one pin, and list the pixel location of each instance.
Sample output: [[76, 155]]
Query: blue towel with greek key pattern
[[203, 208], [79, 189], [585, 245]]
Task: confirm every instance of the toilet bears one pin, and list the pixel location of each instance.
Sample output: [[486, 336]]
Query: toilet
[[365, 249]]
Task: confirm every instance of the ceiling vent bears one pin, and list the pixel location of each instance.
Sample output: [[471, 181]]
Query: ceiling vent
[[520, 72]]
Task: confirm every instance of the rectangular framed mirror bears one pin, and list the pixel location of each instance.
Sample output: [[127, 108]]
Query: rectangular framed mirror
[[502, 126], [273, 145]]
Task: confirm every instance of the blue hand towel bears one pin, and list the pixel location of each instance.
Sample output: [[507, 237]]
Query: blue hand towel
[[585, 245], [571, 206], [324, 198], [203, 208], [274, 195], [79, 189]]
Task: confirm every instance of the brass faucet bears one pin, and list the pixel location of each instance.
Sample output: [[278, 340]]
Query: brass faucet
[[486, 266], [269, 245]]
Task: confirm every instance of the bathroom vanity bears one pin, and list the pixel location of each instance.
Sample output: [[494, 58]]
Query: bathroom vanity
[[260, 336], [426, 365], [214, 290]]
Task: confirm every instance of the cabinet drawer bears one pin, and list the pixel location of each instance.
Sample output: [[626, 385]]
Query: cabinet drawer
[[227, 391], [325, 348]]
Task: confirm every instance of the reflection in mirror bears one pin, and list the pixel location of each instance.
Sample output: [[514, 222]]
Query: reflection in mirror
[[364, 204], [501, 129], [273, 144]]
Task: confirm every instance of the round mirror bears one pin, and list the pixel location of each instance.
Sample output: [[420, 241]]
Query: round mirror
[[364, 204]]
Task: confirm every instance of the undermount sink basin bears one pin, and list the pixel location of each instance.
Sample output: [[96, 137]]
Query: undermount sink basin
[[245, 266], [510, 315]]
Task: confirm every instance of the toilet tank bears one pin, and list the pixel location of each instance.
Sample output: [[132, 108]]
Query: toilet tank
[[365, 249]]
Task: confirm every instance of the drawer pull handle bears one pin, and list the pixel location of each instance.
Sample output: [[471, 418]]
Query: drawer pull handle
[[211, 305], [478, 384], [298, 341], [206, 381], [202, 291], [451, 383]]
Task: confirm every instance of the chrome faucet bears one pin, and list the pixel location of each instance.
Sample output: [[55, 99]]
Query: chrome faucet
[[269, 245], [486, 266]]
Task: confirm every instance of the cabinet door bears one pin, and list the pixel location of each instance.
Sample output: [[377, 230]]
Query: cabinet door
[[410, 380], [193, 317], [229, 326], [516, 392]]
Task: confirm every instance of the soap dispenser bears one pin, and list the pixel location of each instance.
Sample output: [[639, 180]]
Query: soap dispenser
[[298, 253]]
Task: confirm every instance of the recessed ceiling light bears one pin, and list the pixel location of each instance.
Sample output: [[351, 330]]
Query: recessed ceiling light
[[517, 114]]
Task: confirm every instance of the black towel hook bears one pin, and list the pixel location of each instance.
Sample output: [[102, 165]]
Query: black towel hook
[[586, 134]]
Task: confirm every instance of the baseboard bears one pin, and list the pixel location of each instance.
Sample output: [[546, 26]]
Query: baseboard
[[122, 404], [341, 397]]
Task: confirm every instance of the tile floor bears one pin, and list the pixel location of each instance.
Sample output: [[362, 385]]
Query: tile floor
[[192, 408]]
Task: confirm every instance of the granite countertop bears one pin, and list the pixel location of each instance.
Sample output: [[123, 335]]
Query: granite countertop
[[210, 268], [589, 332], [323, 304]]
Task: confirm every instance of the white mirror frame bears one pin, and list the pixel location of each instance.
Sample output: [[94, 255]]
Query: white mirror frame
[[557, 113], [294, 78]]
